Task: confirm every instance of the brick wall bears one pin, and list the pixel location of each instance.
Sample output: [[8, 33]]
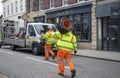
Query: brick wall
[[72, 1], [36, 5], [46, 4], [28, 6], [58, 3]]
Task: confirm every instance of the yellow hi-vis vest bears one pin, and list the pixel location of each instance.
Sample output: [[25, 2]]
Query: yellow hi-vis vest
[[67, 42], [48, 37]]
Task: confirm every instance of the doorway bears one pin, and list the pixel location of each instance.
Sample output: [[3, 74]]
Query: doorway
[[111, 34]]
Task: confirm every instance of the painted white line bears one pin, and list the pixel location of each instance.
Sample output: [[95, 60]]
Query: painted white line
[[2, 76], [45, 62], [6, 52]]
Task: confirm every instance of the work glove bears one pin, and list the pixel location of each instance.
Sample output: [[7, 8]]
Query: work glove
[[75, 52]]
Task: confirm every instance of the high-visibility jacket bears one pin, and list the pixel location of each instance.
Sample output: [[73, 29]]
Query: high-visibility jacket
[[48, 37], [66, 41]]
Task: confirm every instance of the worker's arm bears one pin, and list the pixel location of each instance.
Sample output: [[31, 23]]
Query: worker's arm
[[75, 46]]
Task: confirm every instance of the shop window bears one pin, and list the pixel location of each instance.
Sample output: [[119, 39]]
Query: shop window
[[77, 26], [82, 27], [85, 27], [71, 18]]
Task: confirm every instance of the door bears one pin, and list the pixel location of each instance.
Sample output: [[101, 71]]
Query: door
[[30, 36], [111, 34]]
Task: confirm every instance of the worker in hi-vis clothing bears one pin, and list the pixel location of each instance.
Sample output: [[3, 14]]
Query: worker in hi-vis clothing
[[49, 40], [66, 44]]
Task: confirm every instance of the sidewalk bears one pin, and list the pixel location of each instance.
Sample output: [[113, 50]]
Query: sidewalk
[[108, 55]]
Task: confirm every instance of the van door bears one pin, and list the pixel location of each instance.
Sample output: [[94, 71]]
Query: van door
[[30, 36]]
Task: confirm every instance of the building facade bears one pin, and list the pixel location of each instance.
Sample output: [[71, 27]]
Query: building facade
[[13, 11], [36, 10], [0, 26], [80, 12], [108, 25]]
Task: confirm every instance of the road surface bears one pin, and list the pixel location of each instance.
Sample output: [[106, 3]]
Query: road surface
[[23, 64]]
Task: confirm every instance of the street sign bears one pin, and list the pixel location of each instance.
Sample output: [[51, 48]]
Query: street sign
[[115, 12]]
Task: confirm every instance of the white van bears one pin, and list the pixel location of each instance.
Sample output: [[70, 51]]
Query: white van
[[30, 39]]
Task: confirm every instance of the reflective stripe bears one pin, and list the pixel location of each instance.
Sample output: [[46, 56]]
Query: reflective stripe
[[68, 60], [75, 47], [60, 60], [65, 47], [74, 42], [66, 41], [49, 37]]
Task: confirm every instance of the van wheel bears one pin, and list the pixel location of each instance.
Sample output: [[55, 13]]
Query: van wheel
[[35, 50], [13, 47]]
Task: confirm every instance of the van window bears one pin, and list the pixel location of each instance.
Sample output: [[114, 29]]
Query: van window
[[42, 28], [31, 30]]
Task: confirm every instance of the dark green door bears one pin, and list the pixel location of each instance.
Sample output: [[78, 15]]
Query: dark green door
[[111, 34]]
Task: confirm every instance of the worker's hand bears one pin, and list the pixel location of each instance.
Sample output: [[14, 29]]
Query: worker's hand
[[75, 52]]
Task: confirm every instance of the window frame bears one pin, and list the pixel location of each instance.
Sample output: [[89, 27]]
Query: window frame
[[82, 0], [52, 3], [16, 6], [21, 5], [12, 9], [31, 28], [4, 11], [31, 5], [41, 5], [8, 10], [64, 2], [81, 26]]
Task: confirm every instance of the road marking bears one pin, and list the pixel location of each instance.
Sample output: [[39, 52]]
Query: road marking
[[6, 52], [2, 76], [45, 62]]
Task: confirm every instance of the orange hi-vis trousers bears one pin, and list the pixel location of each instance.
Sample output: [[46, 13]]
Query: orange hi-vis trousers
[[48, 50], [64, 55]]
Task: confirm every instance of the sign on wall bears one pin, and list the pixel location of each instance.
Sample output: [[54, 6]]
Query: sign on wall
[[115, 12]]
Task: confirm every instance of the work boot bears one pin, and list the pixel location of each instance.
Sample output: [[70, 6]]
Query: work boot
[[46, 59], [73, 73], [60, 74], [53, 57]]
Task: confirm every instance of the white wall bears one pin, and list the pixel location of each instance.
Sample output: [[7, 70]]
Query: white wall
[[14, 16]]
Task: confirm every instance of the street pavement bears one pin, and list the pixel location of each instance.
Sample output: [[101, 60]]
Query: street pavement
[[23, 64], [99, 54], [2, 76]]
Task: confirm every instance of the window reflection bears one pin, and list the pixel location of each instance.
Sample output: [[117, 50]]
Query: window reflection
[[85, 28], [81, 26], [82, 30], [77, 26]]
